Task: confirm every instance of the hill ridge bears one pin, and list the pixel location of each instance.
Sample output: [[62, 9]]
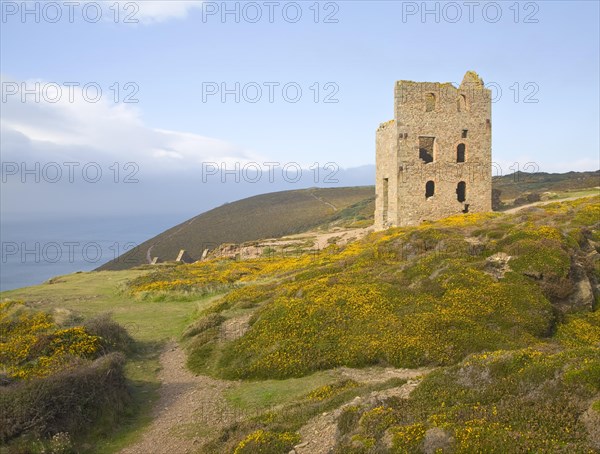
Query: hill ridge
[[282, 213]]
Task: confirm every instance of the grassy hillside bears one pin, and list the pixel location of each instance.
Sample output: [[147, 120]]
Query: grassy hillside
[[504, 306], [501, 309], [428, 295], [264, 216], [73, 300], [284, 213], [529, 400]]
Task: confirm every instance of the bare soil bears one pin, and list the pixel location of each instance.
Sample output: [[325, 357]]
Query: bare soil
[[189, 408]]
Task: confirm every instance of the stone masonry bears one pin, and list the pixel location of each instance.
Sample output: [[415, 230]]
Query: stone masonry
[[434, 158]]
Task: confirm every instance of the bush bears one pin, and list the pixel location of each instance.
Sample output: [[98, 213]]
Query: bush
[[328, 391], [264, 442], [68, 401], [348, 418], [32, 345], [113, 336]]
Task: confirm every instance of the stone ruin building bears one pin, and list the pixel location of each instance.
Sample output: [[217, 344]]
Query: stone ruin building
[[434, 158]]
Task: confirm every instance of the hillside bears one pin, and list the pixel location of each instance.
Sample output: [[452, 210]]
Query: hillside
[[520, 183], [475, 333], [265, 216], [502, 305], [291, 212]]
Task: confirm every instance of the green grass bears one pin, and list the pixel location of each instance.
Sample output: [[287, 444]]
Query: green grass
[[141, 373], [97, 292], [291, 414], [252, 395], [150, 323], [577, 193]]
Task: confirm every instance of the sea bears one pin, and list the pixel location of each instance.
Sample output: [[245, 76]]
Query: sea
[[35, 250]]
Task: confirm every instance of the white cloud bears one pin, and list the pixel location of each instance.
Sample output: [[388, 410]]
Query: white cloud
[[153, 11], [146, 11], [103, 131], [122, 11]]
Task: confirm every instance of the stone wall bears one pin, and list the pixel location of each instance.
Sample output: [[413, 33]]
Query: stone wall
[[454, 117]]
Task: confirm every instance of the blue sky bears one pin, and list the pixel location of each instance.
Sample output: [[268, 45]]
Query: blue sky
[[549, 54]]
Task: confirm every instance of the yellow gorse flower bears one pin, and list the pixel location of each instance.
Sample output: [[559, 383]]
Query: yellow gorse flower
[[33, 346]]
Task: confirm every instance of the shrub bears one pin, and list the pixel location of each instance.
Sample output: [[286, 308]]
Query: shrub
[[113, 336], [68, 401], [328, 391], [580, 330], [263, 442], [348, 418], [408, 438], [31, 345], [377, 420]]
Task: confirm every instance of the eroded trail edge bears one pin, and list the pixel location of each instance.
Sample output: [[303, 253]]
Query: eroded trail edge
[[188, 409]]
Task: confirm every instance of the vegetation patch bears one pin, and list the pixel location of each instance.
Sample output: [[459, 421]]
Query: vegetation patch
[[264, 442], [507, 401], [59, 382], [260, 395], [406, 297], [330, 390], [288, 415]]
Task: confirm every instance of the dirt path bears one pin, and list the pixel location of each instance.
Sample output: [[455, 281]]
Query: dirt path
[[373, 375], [341, 237], [329, 204], [189, 408]]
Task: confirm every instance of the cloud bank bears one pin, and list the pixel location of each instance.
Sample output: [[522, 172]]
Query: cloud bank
[[74, 127], [65, 156]]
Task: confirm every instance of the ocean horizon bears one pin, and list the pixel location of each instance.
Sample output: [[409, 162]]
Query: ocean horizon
[[35, 250]]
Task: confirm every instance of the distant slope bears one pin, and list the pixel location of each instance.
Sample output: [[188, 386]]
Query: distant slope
[[263, 216], [517, 184], [284, 213]]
